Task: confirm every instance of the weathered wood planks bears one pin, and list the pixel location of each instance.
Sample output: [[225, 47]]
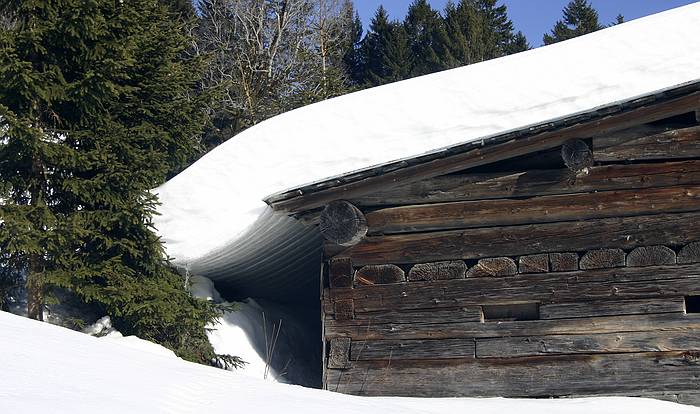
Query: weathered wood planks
[[677, 143], [618, 342], [590, 285], [412, 349], [522, 377], [471, 187], [625, 233], [543, 209], [447, 329], [611, 308]]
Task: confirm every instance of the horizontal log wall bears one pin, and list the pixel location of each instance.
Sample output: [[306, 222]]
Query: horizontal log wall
[[540, 283]]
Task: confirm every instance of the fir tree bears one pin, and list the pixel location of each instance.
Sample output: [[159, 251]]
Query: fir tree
[[97, 106], [429, 42], [385, 51], [580, 18], [353, 54]]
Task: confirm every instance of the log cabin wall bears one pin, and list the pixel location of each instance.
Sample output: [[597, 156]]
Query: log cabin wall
[[567, 272]]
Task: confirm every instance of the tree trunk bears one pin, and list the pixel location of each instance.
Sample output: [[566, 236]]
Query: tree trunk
[[35, 288]]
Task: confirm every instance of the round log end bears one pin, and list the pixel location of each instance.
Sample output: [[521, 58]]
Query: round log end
[[342, 223], [576, 155]]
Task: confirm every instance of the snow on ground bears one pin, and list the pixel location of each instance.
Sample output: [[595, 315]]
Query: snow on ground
[[214, 203], [50, 369]]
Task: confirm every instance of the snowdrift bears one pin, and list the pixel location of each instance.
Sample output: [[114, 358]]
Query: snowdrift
[[49, 369], [213, 219]]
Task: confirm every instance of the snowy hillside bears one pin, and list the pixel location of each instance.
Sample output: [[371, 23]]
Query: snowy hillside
[[49, 369]]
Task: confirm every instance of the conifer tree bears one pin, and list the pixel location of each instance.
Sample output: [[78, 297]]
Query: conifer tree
[[385, 51], [428, 39], [353, 54], [579, 18], [97, 106]]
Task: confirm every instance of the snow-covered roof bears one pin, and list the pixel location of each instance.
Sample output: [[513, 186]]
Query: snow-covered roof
[[214, 220]]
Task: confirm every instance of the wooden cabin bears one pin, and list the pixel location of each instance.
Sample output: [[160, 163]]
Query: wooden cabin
[[554, 261]]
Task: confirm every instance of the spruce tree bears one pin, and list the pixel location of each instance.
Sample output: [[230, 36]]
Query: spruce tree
[[429, 42], [352, 57], [385, 51], [579, 18], [98, 106]]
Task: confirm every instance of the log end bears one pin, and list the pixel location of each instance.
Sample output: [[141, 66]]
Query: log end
[[342, 223]]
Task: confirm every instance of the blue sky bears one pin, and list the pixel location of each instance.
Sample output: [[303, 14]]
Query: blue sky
[[534, 17]]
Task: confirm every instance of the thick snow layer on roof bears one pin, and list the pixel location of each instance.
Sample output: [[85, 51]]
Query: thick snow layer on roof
[[216, 204], [49, 369]]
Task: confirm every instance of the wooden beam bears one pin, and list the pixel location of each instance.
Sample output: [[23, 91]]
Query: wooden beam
[[475, 154], [602, 259], [635, 373], [611, 308], [536, 263], [625, 233], [563, 262], [545, 209], [339, 353], [342, 223], [678, 143], [584, 285], [649, 341], [495, 266], [455, 269], [665, 322], [577, 155], [651, 256], [689, 253], [379, 275], [412, 349], [340, 272], [473, 187]]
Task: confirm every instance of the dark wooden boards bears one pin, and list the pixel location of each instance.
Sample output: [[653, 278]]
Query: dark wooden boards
[[543, 209], [475, 153], [470, 187], [625, 233], [677, 143], [450, 330], [611, 308], [618, 342], [590, 285], [522, 377], [414, 349]]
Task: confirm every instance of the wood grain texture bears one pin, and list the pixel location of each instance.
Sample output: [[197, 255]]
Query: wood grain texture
[[344, 309], [588, 285], [611, 308], [446, 329], [626, 233], [523, 377], [493, 266], [339, 353], [563, 262], [651, 256], [418, 316], [602, 259], [540, 209], [340, 272], [379, 275], [577, 155], [509, 347], [673, 144], [342, 223], [412, 349], [474, 187], [689, 253], [536, 263], [455, 269]]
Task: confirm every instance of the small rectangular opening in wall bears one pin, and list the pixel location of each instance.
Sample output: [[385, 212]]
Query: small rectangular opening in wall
[[511, 312], [692, 304]]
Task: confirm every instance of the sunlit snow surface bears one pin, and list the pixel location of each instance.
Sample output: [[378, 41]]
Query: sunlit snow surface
[[213, 206], [49, 369]]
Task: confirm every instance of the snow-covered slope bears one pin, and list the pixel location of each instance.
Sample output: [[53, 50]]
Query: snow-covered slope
[[213, 219], [49, 369]]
